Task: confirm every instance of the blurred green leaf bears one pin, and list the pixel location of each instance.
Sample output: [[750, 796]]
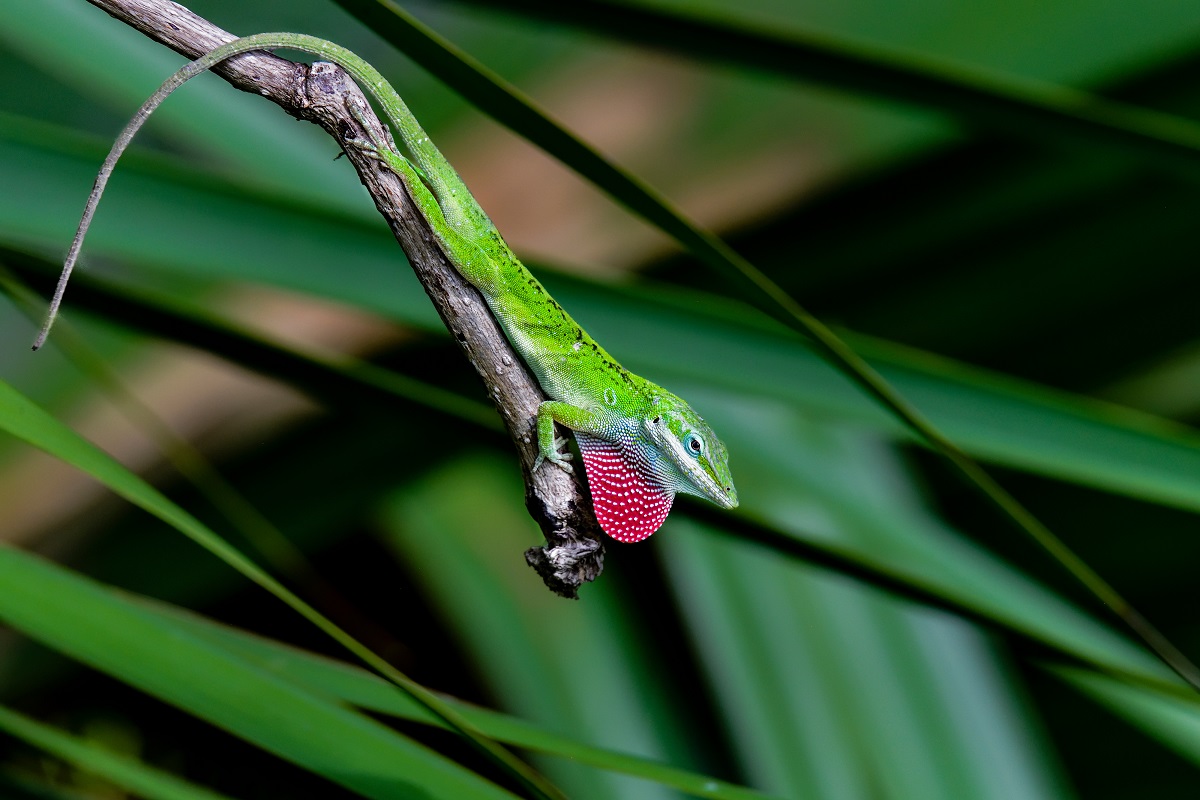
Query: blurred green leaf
[[120, 67], [1177, 726], [494, 96], [355, 686], [93, 624], [952, 576], [997, 419], [569, 667], [331, 377], [1064, 267], [128, 773], [26, 421], [1036, 111], [804, 663], [206, 229]]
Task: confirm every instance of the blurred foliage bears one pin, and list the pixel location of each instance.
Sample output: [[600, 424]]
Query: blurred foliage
[[864, 626]]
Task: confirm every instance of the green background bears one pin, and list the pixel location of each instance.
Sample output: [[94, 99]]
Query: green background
[[864, 626]]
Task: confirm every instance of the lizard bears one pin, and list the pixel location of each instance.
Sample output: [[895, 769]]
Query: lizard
[[640, 444]]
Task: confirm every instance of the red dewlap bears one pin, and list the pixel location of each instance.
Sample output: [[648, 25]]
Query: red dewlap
[[628, 507]]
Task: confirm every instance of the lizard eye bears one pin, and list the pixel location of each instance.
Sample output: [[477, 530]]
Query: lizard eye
[[694, 444]]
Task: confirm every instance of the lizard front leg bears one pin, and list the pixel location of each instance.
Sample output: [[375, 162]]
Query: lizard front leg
[[573, 417], [386, 154]]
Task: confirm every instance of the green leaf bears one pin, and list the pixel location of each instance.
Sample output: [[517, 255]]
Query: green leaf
[[120, 67], [1009, 422], [93, 624], [996, 418], [146, 218], [927, 576], [570, 667], [1037, 111], [806, 665], [335, 378], [128, 773], [28, 422], [1175, 725], [174, 635], [355, 686], [1002, 420]]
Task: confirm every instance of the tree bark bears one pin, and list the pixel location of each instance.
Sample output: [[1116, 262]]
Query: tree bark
[[323, 94]]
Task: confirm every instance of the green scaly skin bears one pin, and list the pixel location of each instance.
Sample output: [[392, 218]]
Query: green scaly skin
[[592, 394]]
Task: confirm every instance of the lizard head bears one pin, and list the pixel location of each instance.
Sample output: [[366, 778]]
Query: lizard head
[[694, 460], [633, 478]]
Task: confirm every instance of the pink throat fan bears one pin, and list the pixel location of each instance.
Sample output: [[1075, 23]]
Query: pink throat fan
[[628, 507]]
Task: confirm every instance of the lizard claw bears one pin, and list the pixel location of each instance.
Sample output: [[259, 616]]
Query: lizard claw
[[555, 457], [381, 150]]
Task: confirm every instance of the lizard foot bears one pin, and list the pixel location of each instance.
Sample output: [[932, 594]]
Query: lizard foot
[[380, 150], [555, 457]]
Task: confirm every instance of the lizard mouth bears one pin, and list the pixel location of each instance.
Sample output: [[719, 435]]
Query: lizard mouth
[[728, 498], [724, 496]]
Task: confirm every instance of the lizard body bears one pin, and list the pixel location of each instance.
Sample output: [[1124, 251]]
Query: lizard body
[[640, 443]]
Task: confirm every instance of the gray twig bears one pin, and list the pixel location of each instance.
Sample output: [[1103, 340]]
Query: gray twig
[[323, 94]]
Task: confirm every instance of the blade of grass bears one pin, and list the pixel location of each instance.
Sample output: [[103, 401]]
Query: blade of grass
[[805, 667], [991, 601], [893, 574], [1176, 726], [354, 685], [244, 517], [322, 683], [1058, 435], [128, 773], [896, 542], [348, 684], [501, 101], [95, 624], [118, 67], [454, 530], [334, 378], [189, 462], [802, 659], [778, 705], [1076, 445], [1003, 420], [263, 237], [843, 659], [28, 422], [1033, 110]]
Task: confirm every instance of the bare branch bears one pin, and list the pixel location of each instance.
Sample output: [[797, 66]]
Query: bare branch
[[324, 94]]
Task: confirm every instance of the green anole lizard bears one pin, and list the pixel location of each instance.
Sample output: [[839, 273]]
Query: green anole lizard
[[640, 443]]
